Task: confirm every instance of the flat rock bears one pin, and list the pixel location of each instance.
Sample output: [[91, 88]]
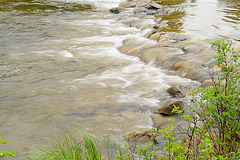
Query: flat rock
[[141, 135]]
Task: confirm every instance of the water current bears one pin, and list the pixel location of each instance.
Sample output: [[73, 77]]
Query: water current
[[60, 67]]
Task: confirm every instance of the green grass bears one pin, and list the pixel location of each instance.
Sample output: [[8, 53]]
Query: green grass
[[68, 148]]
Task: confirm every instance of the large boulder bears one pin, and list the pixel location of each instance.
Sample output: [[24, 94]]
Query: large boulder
[[167, 107]]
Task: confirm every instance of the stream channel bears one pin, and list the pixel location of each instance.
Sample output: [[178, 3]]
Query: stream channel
[[60, 66]]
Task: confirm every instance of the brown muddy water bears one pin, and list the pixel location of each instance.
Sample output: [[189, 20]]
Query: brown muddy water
[[60, 67]]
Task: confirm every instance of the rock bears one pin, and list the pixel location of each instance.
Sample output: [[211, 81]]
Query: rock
[[133, 23], [139, 10], [123, 4], [129, 49], [154, 6], [131, 4], [140, 136], [160, 121], [155, 36], [177, 91], [197, 74], [116, 10], [158, 55], [167, 107], [181, 65], [152, 12]]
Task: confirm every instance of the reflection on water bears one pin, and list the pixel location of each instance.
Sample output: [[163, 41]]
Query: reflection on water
[[170, 2], [37, 6], [209, 18], [232, 11]]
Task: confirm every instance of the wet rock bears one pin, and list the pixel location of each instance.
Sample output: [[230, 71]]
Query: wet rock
[[139, 10], [151, 12], [123, 4], [154, 6], [147, 26], [160, 121], [167, 107], [197, 74], [140, 136], [155, 36], [134, 23], [116, 10], [177, 91], [158, 55], [131, 4], [182, 65], [177, 37], [129, 49]]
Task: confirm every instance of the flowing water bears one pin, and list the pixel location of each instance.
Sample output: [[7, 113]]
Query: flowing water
[[59, 66]]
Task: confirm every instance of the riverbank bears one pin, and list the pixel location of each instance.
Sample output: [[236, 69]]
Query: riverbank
[[179, 51]]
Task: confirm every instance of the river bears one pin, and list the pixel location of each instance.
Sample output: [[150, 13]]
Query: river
[[60, 67]]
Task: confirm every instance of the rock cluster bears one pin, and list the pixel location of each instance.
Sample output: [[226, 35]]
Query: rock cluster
[[178, 52]]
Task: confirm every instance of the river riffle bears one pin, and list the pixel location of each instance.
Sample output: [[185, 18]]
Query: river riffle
[[65, 63]]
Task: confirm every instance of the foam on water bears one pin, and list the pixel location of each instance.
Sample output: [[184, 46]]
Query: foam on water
[[66, 53]]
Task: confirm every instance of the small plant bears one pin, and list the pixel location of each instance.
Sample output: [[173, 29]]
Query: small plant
[[132, 152], [5, 153]]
